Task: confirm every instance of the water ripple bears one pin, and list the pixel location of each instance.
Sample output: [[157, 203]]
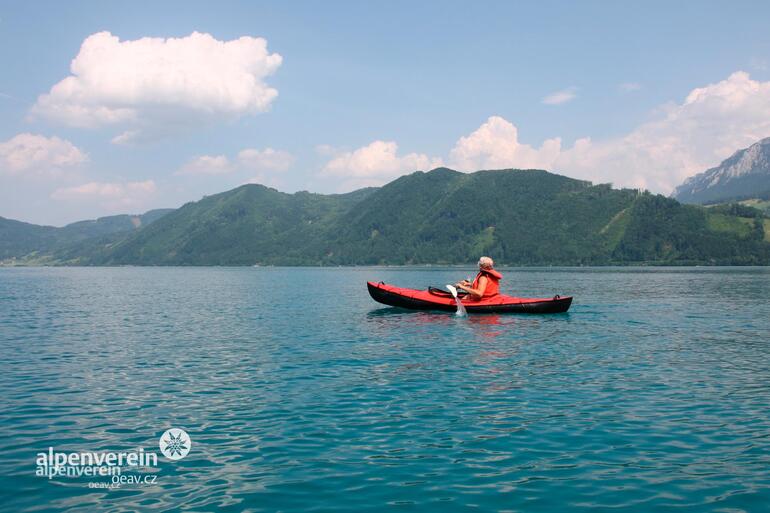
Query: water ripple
[[649, 395]]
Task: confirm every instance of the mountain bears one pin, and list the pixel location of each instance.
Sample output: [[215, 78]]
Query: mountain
[[250, 224], [442, 216], [518, 217], [533, 217], [746, 174], [19, 239], [524, 216]]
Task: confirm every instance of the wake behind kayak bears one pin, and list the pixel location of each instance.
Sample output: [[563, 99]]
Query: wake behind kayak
[[436, 299]]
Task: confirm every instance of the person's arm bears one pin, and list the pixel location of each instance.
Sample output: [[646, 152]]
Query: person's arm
[[478, 292]]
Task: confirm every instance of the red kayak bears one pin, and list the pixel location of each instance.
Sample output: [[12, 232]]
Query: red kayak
[[437, 299]]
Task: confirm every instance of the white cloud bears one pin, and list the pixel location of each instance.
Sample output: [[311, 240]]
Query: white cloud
[[266, 165], [266, 179], [326, 150], [161, 82], [629, 87], [206, 165], [495, 145], [712, 123], [684, 139], [37, 154], [375, 164], [249, 159], [108, 195], [127, 137], [265, 160], [560, 97]]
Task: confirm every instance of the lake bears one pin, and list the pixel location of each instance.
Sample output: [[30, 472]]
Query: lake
[[299, 393]]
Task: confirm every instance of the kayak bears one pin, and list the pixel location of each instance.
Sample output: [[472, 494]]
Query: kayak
[[438, 299]]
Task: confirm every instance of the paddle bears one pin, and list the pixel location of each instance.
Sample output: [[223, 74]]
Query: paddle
[[460, 308]]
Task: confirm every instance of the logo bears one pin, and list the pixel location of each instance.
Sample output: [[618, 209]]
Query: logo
[[175, 443], [121, 468], [92, 464]]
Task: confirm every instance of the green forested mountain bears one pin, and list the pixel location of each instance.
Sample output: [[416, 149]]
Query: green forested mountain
[[247, 225], [524, 217], [444, 216], [20, 240]]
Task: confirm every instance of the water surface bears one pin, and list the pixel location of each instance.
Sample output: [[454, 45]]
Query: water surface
[[302, 394]]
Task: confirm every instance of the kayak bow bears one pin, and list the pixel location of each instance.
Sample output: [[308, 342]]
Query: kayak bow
[[436, 299]]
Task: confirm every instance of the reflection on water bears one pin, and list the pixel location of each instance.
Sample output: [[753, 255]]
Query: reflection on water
[[651, 394]]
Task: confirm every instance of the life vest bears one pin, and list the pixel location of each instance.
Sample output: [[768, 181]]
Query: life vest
[[493, 282]]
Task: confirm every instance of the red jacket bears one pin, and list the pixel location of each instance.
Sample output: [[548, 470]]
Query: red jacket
[[493, 282]]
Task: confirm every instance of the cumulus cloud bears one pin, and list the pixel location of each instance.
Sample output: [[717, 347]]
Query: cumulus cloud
[[206, 165], [265, 160], [712, 123], [376, 163], [326, 150], [108, 195], [127, 137], [560, 97], [35, 154], [249, 159], [495, 145], [265, 165], [156, 81], [683, 139]]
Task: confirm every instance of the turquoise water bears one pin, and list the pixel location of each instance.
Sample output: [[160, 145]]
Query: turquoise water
[[301, 394]]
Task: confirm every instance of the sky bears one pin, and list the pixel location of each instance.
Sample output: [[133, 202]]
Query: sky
[[110, 107]]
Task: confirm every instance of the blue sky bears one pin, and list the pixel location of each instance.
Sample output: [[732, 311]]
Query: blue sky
[[641, 95]]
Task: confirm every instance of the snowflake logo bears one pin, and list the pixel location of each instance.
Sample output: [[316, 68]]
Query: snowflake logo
[[175, 444]]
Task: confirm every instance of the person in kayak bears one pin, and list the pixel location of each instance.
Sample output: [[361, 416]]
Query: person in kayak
[[487, 281]]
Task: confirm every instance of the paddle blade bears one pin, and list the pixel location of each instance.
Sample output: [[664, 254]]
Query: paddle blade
[[460, 308]]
